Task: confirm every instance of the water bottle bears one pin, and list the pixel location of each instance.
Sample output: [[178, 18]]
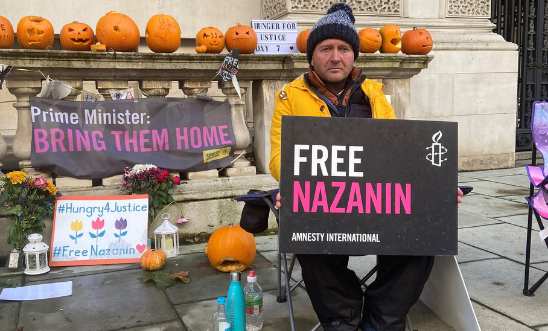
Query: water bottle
[[219, 318], [235, 307], [253, 304]]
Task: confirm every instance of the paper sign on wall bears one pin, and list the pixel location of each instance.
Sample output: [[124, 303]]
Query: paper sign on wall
[[275, 37], [90, 230]]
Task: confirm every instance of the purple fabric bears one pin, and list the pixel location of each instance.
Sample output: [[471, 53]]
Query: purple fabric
[[538, 202], [539, 128], [536, 174]]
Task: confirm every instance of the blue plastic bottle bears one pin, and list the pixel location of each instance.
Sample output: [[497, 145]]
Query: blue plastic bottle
[[235, 305]]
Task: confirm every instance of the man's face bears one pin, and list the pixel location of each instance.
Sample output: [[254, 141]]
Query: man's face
[[333, 60]]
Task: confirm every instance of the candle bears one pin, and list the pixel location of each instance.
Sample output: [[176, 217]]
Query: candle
[[168, 244]]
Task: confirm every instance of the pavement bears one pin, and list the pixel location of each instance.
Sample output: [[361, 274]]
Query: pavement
[[492, 239]]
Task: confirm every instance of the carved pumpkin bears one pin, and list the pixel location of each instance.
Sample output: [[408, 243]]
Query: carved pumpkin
[[242, 37], [6, 33], [391, 38], [118, 32], [153, 260], [370, 40], [231, 248], [416, 42], [163, 34], [35, 32], [77, 37], [201, 48], [212, 38], [302, 38]]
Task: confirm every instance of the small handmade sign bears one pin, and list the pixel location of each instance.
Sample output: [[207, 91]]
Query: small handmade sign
[[54, 89], [123, 94], [229, 69], [89, 230], [275, 36]]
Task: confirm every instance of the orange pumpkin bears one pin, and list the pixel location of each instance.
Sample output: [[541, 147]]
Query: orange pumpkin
[[242, 37], [231, 248], [201, 48], [35, 32], [416, 42], [6, 33], [212, 38], [163, 34], [77, 37], [370, 40], [302, 38], [391, 39], [153, 260], [118, 32]]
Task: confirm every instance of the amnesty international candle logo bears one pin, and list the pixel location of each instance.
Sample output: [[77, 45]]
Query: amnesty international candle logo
[[437, 150]]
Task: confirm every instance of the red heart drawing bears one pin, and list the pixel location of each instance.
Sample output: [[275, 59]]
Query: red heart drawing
[[141, 248]]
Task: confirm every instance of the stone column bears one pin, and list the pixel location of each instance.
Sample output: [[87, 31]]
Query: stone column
[[241, 166], [22, 90], [191, 88], [105, 86], [264, 92], [155, 88]]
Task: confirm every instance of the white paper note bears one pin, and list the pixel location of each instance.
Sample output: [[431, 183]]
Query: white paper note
[[37, 292]]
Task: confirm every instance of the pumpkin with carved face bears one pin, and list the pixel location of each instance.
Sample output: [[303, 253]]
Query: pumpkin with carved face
[[6, 33], [416, 42], [35, 32], [242, 37], [118, 32], [77, 37], [212, 38]]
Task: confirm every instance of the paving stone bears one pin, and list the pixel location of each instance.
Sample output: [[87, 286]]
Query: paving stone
[[520, 181], [56, 273], [468, 253], [505, 240], [516, 198], [424, 319], [208, 283], [175, 325], [495, 189], [189, 249], [198, 316], [498, 285], [491, 206], [490, 320], [484, 174], [107, 301], [468, 219], [266, 243], [521, 220], [9, 310]]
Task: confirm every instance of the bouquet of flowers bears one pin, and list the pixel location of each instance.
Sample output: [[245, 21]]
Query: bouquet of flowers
[[149, 179], [29, 200]]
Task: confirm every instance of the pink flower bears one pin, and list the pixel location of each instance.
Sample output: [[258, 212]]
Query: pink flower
[[163, 176], [97, 224], [41, 182], [182, 220], [176, 180]]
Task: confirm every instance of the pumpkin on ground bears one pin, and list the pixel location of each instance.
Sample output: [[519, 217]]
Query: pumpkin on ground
[[231, 248], [163, 34], [370, 40], [242, 37], [416, 42], [153, 260], [302, 38], [35, 32], [212, 38], [118, 32], [77, 37], [6, 33], [391, 39]]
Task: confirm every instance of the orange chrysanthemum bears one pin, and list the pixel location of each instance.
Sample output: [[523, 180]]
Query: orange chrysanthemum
[[17, 177]]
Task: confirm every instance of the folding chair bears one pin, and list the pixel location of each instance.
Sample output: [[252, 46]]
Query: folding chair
[[267, 198]]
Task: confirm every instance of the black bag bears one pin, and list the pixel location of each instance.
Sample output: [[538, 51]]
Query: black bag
[[254, 218]]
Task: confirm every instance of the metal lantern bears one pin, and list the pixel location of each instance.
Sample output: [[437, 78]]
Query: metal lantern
[[36, 255], [166, 237]]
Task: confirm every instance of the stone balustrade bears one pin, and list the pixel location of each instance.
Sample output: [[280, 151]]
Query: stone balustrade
[[204, 194]]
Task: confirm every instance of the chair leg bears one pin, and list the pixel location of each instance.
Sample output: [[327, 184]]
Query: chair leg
[[281, 296], [288, 293], [408, 326]]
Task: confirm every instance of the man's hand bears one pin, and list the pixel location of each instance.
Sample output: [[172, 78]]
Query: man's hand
[[279, 200], [459, 199]]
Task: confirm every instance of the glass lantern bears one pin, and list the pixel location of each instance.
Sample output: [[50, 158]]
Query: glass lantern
[[36, 255], [166, 237]]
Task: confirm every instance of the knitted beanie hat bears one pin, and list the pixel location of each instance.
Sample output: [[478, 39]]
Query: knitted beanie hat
[[337, 24]]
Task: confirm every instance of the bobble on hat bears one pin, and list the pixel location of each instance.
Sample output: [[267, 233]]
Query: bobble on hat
[[337, 24]]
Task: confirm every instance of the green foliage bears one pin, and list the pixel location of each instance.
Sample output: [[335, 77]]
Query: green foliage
[[29, 201], [164, 280]]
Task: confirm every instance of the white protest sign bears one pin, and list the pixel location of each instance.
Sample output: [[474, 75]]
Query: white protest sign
[[54, 89], [90, 230], [279, 48], [274, 25], [275, 37]]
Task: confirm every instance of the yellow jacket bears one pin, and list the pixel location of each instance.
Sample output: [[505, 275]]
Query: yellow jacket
[[297, 99]]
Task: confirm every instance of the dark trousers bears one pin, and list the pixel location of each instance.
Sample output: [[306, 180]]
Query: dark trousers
[[336, 295]]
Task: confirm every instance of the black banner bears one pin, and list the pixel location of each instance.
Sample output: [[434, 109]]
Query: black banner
[[368, 186], [99, 139]]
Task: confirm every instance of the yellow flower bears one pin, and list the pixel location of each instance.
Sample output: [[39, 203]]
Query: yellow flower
[[51, 188], [76, 225], [17, 177]]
